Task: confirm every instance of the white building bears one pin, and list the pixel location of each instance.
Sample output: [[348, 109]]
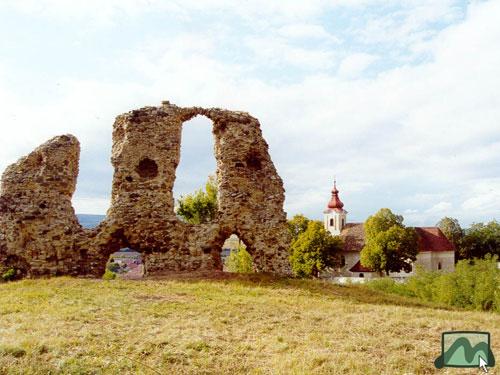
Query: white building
[[436, 252]]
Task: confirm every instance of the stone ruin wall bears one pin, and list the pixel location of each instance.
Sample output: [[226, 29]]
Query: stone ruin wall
[[40, 234]]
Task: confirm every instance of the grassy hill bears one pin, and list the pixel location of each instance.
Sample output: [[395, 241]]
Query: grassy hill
[[242, 324]]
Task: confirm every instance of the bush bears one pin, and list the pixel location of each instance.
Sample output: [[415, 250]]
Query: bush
[[113, 267], [388, 285], [109, 275], [473, 285], [239, 261], [9, 275]]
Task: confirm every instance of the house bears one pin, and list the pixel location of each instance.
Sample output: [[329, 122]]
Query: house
[[130, 261], [435, 251], [231, 244]]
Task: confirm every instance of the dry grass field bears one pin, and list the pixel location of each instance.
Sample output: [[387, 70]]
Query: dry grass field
[[235, 325]]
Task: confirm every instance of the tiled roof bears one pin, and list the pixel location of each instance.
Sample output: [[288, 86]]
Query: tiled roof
[[353, 236], [432, 239], [429, 238], [359, 268]]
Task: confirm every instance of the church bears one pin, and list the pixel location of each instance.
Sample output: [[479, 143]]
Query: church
[[435, 251]]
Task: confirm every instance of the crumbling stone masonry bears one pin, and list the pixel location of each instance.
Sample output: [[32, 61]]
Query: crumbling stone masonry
[[40, 234]]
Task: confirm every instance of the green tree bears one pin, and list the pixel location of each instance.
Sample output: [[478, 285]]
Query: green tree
[[451, 229], [297, 225], [314, 250], [389, 245], [383, 220], [239, 260], [201, 206], [480, 240]]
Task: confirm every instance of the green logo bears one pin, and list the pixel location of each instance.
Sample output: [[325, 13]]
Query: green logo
[[465, 349]]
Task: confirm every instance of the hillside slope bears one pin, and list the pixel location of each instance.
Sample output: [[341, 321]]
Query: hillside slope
[[247, 324]]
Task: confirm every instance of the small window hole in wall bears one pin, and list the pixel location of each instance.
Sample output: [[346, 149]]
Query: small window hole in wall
[[361, 275], [439, 266], [147, 168], [331, 222]]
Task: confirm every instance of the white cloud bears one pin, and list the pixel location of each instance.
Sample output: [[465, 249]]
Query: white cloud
[[109, 9], [355, 64], [483, 196], [308, 31], [408, 25], [280, 52], [440, 208], [90, 205]]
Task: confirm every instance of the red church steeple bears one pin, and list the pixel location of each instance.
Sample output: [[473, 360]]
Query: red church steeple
[[335, 202], [335, 216]]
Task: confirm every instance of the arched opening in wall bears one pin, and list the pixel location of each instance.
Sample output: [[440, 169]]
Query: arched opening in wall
[[439, 266], [197, 168], [235, 257], [125, 263], [92, 197]]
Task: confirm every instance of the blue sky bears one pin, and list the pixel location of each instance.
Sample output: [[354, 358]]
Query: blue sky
[[398, 99]]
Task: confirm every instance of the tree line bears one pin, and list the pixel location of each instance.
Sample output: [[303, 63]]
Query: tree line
[[474, 242]]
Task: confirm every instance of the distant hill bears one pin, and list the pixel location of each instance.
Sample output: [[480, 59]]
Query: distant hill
[[90, 221]]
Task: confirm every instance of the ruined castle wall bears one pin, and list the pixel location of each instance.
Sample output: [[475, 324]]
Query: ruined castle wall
[[38, 225]]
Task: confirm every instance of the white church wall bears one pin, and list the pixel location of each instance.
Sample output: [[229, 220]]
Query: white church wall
[[447, 260], [351, 258], [428, 260]]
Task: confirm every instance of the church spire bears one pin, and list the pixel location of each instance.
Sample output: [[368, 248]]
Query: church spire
[[335, 216], [335, 202]]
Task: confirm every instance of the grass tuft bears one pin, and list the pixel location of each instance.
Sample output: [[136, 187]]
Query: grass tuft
[[12, 351]]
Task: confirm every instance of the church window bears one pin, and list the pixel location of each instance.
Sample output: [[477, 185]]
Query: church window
[[439, 266], [331, 222]]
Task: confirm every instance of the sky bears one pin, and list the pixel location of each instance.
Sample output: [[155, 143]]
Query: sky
[[399, 100]]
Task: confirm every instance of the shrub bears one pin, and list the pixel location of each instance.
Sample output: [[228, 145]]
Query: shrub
[[474, 285], [388, 285], [9, 275], [109, 275], [420, 285], [239, 261], [113, 267]]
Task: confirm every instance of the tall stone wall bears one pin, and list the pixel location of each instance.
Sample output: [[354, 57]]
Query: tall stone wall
[[40, 235]]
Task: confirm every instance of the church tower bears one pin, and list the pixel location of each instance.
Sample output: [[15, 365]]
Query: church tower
[[335, 215]]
